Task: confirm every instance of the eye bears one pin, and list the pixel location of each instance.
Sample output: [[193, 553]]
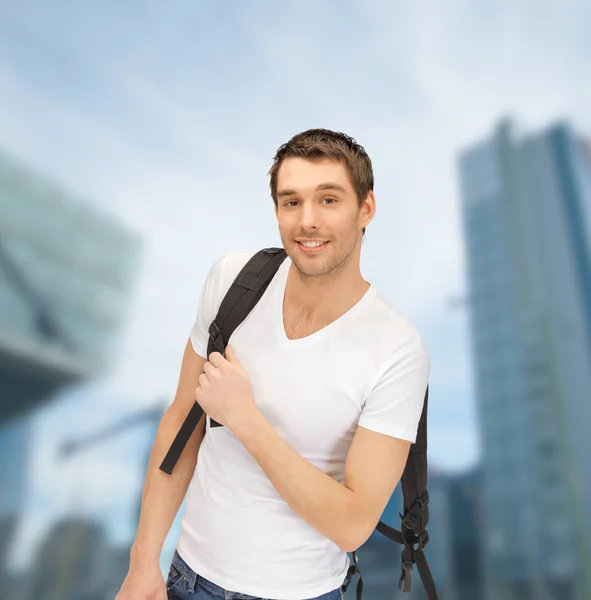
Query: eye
[[332, 200], [290, 202]]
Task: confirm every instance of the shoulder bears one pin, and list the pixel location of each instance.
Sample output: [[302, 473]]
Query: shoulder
[[231, 263], [395, 335], [225, 269], [394, 323], [219, 278]]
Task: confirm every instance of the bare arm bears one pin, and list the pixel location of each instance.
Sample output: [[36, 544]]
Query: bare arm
[[347, 514], [163, 494]]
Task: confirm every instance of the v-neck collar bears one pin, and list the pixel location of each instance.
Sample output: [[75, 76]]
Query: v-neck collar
[[277, 306]]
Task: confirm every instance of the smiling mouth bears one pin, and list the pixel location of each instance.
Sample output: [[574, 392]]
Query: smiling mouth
[[312, 249]]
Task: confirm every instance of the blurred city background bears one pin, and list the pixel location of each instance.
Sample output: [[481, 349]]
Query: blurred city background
[[135, 138]]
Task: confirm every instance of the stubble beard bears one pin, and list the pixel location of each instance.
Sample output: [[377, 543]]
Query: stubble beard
[[320, 266]]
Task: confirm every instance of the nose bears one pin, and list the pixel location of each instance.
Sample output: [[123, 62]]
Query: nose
[[308, 216]]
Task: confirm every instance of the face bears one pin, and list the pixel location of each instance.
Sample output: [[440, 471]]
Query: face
[[316, 202]]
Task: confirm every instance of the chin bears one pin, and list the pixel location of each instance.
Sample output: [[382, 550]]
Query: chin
[[313, 268]]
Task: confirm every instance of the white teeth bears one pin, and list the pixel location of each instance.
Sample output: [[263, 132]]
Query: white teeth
[[311, 244]]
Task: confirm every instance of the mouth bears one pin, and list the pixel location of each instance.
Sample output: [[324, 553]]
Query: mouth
[[312, 249]]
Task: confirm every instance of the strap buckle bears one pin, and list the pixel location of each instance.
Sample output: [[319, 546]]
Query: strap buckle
[[423, 539], [409, 521], [215, 332], [405, 581], [419, 505], [350, 573], [423, 501], [353, 569]]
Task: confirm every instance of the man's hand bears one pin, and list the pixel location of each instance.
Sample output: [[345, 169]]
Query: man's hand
[[224, 390], [144, 583]]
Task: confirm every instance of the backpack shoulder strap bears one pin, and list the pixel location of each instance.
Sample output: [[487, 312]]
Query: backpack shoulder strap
[[246, 290], [413, 530], [416, 512]]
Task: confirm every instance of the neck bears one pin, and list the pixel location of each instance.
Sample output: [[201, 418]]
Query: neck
[[325, 295]]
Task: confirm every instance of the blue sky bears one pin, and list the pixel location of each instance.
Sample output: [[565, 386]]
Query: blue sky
[[167, 115]]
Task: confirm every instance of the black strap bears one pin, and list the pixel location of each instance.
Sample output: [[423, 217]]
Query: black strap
[[354, 569], [181, 439], [425, 574], [413, 534], [246, 290], [390, 532], [407, 559], [411, 555], [414, 477], [248, 287]]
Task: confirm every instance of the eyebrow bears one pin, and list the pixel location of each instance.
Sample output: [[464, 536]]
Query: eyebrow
[[322, 186]]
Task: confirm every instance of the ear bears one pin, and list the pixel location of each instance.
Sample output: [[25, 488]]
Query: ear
[[368, 209]]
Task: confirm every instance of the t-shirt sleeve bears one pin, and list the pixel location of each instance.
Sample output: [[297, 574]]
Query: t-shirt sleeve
[[210, 299], [394, 404]]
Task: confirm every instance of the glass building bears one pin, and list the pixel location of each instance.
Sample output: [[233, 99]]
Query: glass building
[[526, 209], [66, 273], [65, 276]]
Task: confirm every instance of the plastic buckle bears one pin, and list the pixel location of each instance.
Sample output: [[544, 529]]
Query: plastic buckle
[[423, 501], [405, 555], [409, 521], [405, 581], [423, 539], [349, 578], [214, 331]]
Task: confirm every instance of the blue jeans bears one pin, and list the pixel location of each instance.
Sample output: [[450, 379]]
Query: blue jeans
[[184, 584]]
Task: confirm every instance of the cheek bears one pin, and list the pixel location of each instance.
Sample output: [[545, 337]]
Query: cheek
[[285, 224]]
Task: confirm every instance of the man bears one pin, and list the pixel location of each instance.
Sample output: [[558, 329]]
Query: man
[[320, 394]]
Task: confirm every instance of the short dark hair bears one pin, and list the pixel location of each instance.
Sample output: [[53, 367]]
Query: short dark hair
[[316, 144]]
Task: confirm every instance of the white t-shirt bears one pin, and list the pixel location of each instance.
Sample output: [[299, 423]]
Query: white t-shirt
[[369, 367]]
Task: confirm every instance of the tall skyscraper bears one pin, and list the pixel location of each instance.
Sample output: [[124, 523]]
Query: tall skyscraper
[[526, 208], [14, 453], [66, 272], [68, 563], [465, 526]]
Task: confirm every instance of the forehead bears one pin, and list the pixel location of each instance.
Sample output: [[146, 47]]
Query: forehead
[[302, 175]]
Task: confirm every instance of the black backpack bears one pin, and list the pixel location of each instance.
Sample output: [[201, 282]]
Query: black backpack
[[244, 293]]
